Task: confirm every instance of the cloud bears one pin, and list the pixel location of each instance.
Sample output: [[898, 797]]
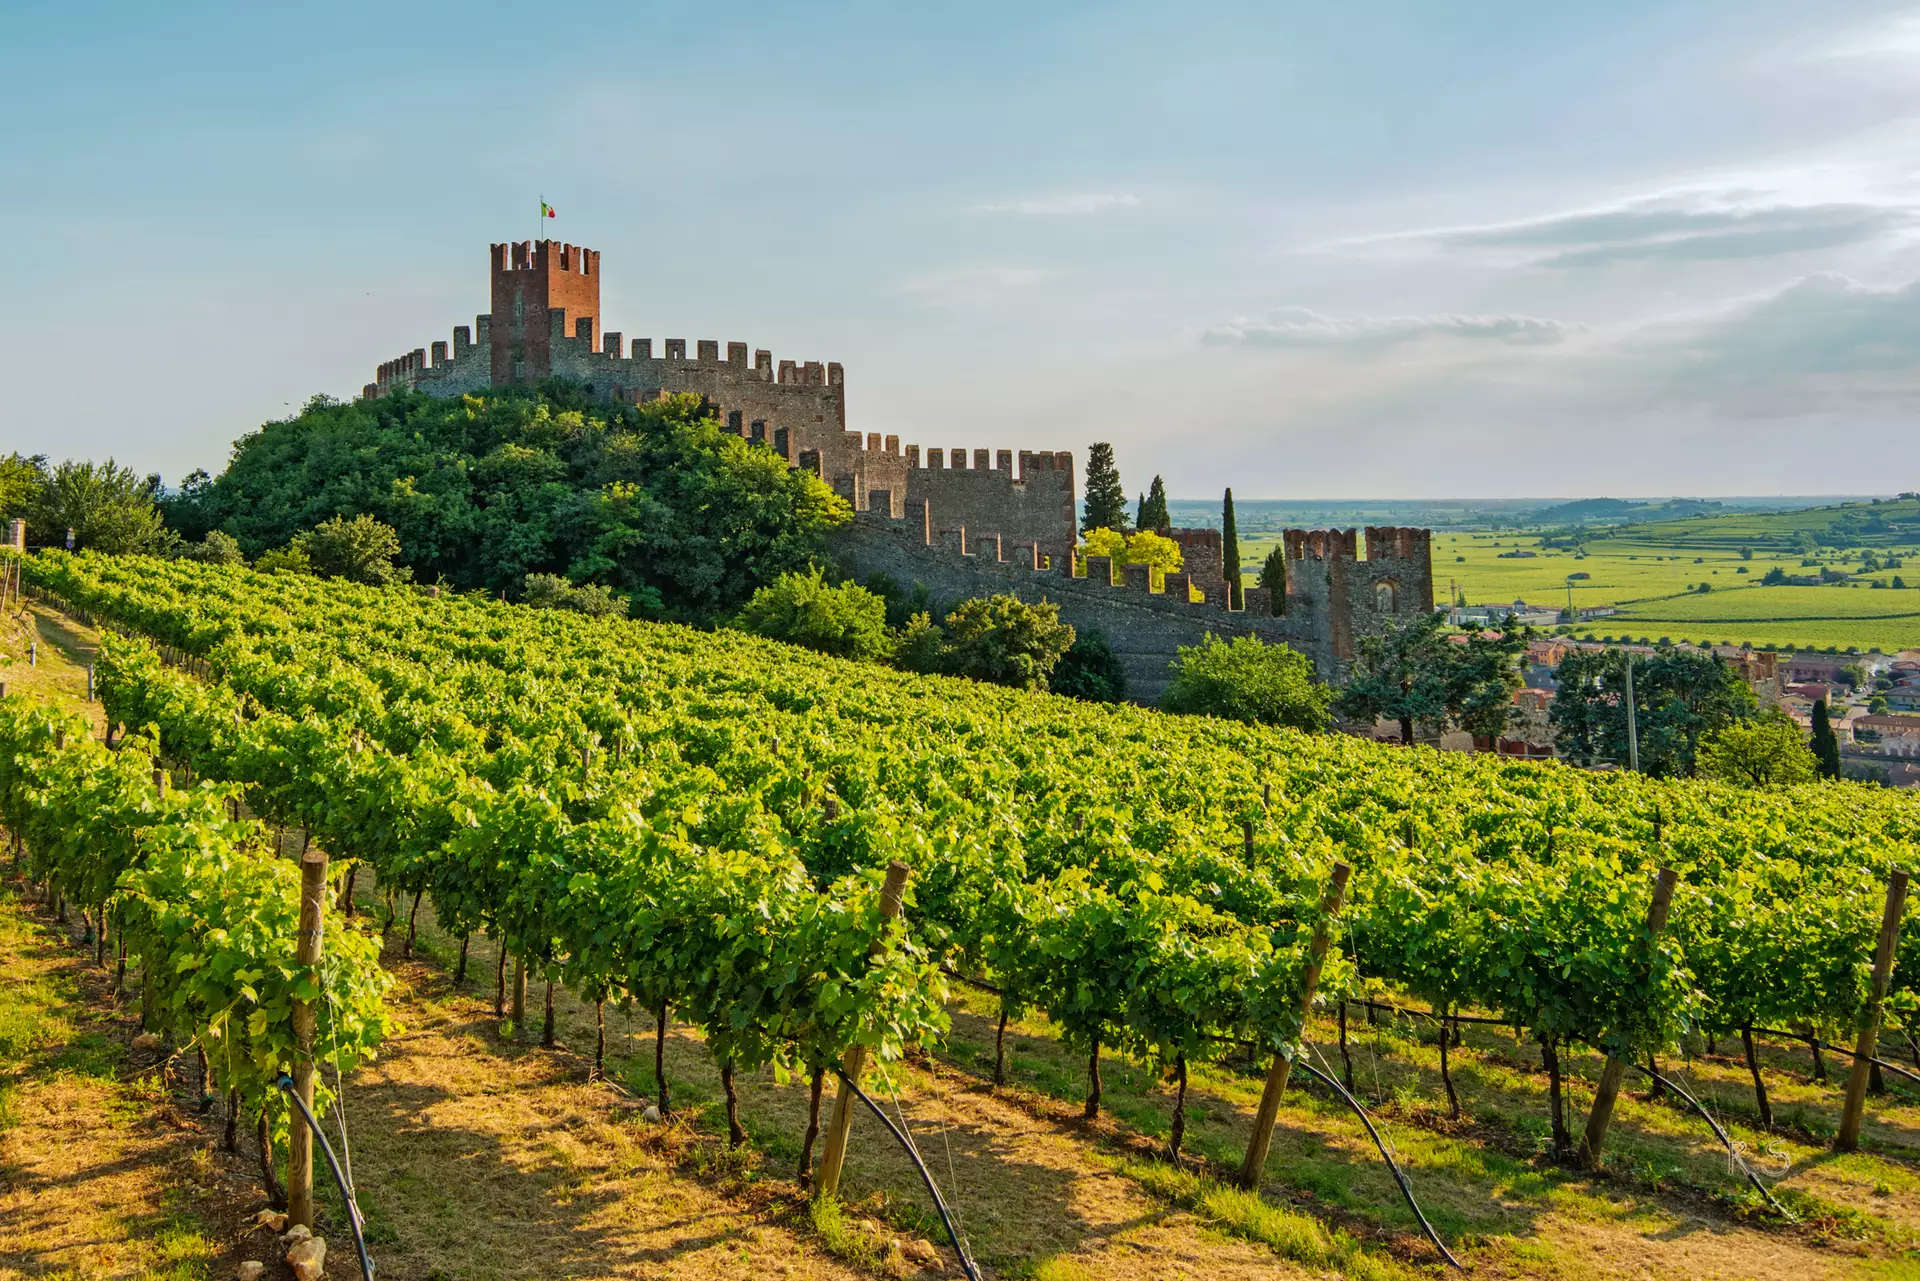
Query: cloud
[[1299, 327], [1078, 204], [1730, 224], [1822, 338], [972, 286]]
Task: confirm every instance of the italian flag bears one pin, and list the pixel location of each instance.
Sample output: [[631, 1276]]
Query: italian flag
[[546, 210]]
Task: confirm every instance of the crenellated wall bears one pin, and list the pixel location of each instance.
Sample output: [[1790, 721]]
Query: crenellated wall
[[1145, 628]]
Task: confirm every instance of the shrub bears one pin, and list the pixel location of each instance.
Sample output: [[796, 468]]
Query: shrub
[[1248, 680], [361, 550], [217, 548], [804, 609], [1090, 670], [1005, 640], [291, 559], [551, 591]]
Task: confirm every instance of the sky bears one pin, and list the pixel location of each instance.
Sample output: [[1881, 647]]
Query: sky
[[1306, 250]]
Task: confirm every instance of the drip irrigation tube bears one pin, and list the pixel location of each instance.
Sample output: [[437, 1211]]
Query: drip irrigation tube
[[1399, 1175], [353, 1207], [1839, 1049], [906, 1144], [1724, 1137]]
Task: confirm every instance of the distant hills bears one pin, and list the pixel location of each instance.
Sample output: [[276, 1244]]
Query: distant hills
[[1259, 515]]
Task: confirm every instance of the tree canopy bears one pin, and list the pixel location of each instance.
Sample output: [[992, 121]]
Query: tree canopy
[[1417, 674], [1766, 751], [108, 507], [1679, 697], [654, 501], [804, 609], [1152, 513], [1246, 679]]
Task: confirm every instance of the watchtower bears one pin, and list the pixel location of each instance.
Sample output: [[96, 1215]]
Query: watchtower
[[530, 280]]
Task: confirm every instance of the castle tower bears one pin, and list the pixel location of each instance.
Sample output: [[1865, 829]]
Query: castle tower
[[530, 279]]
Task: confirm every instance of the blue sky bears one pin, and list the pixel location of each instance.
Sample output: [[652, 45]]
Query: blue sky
[[1308, 250]]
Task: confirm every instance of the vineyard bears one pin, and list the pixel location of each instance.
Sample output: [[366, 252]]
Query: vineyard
[[718, 828]]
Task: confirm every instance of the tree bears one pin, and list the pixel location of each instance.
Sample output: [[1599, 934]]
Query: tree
[[1106, 502], [1089, 670], [1853, 675], [654, 501], [1877, 705], [551, 591], [1273, 577], [1826, 744], [1246, 679], [804, 609], [1764, 751], [216, 549], [1773, 577], [1143, 547], [291, 559], [1416, 674], [108, 507], [361, 550], [1005, 640], [1680, 696], [21, 479], [1230, 554], [1153, 509]]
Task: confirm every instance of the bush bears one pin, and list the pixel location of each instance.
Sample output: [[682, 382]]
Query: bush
[[1005, 640], [291, 559], [361, 550], [217, 548], [1248, 680], [551, 591], [921, 646], [804, 609], [1089, 670]]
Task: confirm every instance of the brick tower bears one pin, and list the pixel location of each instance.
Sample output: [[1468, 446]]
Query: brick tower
[[531, 278]]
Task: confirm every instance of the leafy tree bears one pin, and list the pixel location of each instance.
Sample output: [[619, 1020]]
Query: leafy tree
[[21, 479], [1106, 501], [1826, 744], [921, 646], [1143, 547], [108, 507], [1005, 640], [1230, 554], [361, 550], [550, 591], [804, 609], [1853, 675], [216, 548], [1090, 670], [1246, 679], [1153, 509], [1773, 577], [291, 559], [1877, 705], [1416, 674], [1273, 577], [1764, 751], [654, 501], [1899, 581], [1679, 697]]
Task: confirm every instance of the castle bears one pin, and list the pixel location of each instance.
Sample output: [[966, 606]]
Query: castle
[[959, 524]]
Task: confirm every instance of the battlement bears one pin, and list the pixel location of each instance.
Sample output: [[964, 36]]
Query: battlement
[[1399, 542], [545, 255]]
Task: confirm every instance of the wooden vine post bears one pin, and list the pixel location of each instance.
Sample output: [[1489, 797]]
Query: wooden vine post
[[1608, 1091], [1256, 1159], [313, 893], [1849, 1137], [828, 1181]]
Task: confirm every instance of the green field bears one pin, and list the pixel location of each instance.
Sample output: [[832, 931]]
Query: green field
[[1653, 572]]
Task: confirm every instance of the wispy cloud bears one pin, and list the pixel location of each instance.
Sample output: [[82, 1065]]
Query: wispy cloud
[[1302, 327], [1698, 227], [1070, 205]]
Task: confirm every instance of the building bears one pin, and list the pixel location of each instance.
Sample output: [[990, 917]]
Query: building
[[1888, 735]]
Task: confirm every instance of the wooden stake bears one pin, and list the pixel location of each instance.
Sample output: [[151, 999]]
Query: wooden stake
[[1608, 1091], [1256, 1158], [835, 1156], [1869, 1040], [313, 897]]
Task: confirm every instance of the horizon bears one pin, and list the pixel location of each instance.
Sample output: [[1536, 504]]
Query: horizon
[[1388, 251]]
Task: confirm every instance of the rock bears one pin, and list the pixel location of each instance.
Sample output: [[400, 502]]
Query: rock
[[274, 1221], [295, 1235], [308, 1259], [920, 1251], [249, 1271], [147, 1041], [651, 1115]]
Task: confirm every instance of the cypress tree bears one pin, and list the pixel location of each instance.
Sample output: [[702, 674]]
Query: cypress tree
[[1826, 744], [1153, 512], [1230, 554], [1273, 577], [1140, 514], [1106, 505]]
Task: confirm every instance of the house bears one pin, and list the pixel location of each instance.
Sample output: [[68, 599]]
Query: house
[[1895, 735]]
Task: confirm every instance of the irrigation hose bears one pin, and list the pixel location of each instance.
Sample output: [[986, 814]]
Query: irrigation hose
[[1831, 1048], [966, 1263], [1399, 1175], [1724, 1137], [326, 1149]]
